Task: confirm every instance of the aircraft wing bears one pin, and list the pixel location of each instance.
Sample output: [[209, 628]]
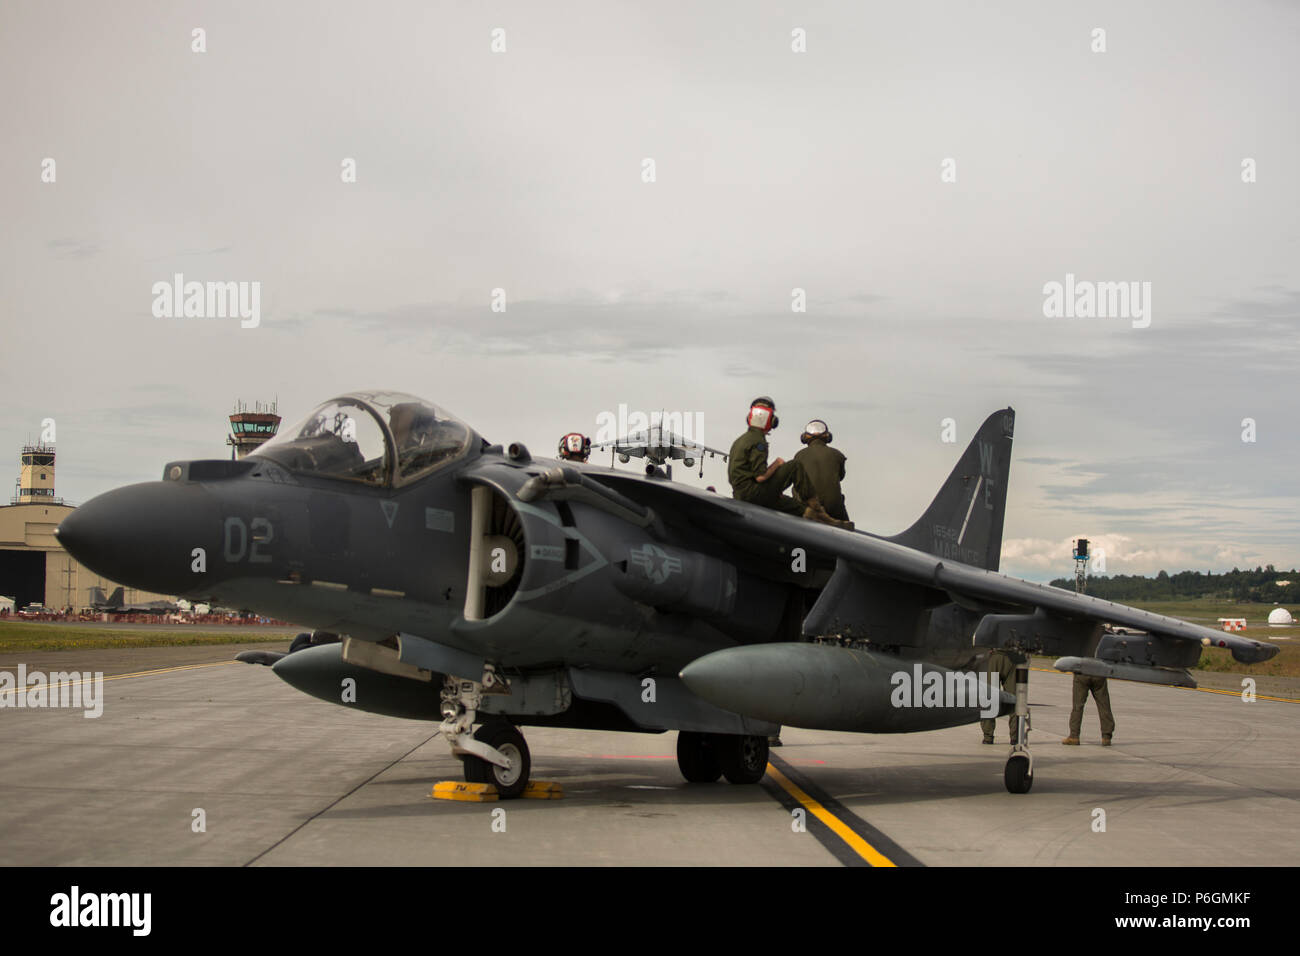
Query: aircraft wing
[[1015, 610], [638, 443], [633, 451], [626, 443]]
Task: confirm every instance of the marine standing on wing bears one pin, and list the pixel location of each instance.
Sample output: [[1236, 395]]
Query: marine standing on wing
[[1002, 664], [824, 466], [575, 447], [1083, 683], [754, 480]]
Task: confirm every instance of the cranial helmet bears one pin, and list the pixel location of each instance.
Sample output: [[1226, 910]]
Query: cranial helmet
[[816, 429], [762, 414], [575, 447]]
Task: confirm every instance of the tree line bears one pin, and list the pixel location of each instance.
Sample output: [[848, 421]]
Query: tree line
[[1259, 586]]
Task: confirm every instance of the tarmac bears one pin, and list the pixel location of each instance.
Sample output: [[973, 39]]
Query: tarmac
[[277, 778]]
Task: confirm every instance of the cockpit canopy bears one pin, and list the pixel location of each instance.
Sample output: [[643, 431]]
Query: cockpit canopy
[[378, 438]]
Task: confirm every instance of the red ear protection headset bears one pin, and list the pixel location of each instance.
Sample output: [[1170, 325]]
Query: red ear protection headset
[[762, 414], [575, 447]]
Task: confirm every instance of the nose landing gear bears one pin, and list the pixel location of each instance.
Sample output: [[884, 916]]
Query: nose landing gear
[[497, 753]]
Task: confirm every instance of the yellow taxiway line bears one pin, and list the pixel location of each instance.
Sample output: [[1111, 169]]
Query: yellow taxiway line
[[841, 829]]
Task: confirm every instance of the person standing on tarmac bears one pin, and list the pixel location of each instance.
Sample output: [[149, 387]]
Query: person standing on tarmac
[[1001, 664], [1083, 683], [754, 480], [824, 466]]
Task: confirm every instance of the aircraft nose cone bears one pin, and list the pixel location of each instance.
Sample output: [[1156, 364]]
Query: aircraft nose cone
[[144, 535]]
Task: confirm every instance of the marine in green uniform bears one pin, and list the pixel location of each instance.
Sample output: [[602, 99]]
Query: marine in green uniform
[[753, 479], [1083, 684], [824, 466]]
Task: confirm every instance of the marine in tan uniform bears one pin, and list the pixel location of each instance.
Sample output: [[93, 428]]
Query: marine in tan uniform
[[1004, 666], [1083, 685]]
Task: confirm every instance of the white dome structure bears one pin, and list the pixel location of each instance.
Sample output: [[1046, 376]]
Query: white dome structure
[[1279, 617]]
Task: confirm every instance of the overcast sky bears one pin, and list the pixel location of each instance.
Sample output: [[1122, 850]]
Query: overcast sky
[[774, 170]]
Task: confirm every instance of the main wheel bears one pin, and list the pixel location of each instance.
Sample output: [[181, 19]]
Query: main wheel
[[743, 757], [697, 757], [1018, 777], [507, 739]]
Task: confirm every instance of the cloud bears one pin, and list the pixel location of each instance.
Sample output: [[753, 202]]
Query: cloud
[[1111, 554], [70, 248], [624, 328]]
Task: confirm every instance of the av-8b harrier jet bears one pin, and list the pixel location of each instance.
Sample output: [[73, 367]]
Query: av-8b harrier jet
[[660, 447], [475, 585]]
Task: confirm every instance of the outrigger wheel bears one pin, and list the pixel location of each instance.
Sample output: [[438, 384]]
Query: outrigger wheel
[[507, 739], [1019, 772]]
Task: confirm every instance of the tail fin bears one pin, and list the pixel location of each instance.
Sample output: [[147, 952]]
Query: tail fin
[[964, 522], [115, 599]]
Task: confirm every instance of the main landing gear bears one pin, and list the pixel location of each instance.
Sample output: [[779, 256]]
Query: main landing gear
[[497, 753], [1019, 772], [703, 758]]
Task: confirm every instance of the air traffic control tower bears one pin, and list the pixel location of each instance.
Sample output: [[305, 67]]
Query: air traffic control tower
[[36, 477], [249, 429]]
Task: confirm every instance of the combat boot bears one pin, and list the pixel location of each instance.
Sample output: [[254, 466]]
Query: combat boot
[[815, 512], [1073, 741], [812, 508], [1105, 740]]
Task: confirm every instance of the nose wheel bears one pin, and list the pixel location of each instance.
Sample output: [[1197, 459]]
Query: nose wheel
[[505, 739], [496, 753]]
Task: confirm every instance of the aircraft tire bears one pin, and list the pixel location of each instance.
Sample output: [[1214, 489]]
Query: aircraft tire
[[743, 757], [697, 757], [506, 738], [1017, 775]]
